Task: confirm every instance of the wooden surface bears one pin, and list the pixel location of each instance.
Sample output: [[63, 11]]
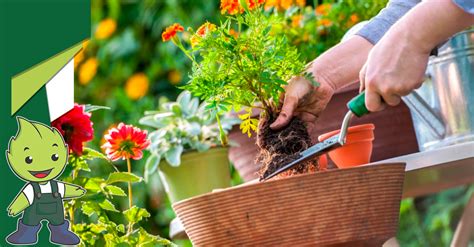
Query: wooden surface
[[331, 208], [432, 171], [394, 133], [465, 229]]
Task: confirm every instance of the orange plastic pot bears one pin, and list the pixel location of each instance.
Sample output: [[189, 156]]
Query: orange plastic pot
[[358, 147]]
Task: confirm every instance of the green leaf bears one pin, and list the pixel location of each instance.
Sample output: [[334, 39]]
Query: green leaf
[[176, 109], [89, 208], [93, 185], [117, 177], [108, 205], [114, 190], [81, 164], [149, 121], [173, 156], [136, 214], [151, 165], [184, 98], [91, 108], [146, 239], [90, 154]]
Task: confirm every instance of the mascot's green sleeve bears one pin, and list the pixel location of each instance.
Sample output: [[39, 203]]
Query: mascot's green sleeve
[[38, 155]]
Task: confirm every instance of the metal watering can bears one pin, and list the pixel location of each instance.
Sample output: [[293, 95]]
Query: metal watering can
[[449, 91]]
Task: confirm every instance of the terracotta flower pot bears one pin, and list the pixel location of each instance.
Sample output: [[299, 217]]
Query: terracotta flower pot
[[358, 147], [330, 208]]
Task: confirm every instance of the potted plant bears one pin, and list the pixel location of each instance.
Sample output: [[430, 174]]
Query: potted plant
[[239, 65], [185, 147]]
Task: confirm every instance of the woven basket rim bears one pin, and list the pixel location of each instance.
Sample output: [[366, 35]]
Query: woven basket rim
[[286, 180]]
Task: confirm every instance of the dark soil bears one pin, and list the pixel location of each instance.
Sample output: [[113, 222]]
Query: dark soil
[[278, 148]]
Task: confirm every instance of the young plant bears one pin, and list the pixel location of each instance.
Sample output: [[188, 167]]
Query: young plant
[[246, 62], [182, 126], [240, 63]]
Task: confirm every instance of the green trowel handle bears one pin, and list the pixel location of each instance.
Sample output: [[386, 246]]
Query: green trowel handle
[[357, 105]]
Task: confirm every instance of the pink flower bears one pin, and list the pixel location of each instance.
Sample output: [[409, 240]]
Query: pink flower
[[125, 142]]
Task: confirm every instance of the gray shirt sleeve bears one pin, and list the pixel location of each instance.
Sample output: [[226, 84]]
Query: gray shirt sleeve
[[466, 5], [379, 25]]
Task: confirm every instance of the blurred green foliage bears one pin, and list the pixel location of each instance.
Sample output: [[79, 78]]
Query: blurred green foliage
[[127, 67]]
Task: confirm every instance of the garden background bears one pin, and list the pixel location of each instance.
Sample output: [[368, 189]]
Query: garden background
[[127, 67]]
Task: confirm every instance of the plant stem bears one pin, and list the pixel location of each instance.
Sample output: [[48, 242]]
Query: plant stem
[[130, 194], [72, 208]]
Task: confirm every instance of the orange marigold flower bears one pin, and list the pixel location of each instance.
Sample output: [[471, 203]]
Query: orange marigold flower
[[323, 9], [125, 142], [233, 33], [301, 3], [231, 7], [171, 31], [137, 86], [354, 18], [286, 4], [106, 28], [205, 29], [175, 77], [202, 31], [272, 3], [325, 22], [296, 20], [252, 4]]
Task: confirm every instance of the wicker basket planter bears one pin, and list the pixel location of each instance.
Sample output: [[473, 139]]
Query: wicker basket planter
[[355, 206]]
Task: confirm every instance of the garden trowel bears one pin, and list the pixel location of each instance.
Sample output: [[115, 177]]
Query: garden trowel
[[356, 107]]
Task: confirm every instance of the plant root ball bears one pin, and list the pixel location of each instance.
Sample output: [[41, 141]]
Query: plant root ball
[[278, 148]]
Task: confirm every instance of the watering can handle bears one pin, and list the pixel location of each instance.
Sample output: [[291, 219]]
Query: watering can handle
[[357, 105]]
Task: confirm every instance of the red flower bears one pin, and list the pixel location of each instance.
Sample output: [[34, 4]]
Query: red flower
[[125, 141], [171, 31], [76, 128]]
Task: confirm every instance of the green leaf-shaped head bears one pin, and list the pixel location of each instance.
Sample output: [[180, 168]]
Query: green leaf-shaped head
[[38, 152]]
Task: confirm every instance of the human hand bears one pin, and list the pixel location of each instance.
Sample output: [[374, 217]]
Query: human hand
[[393, 69], [396, 65], [305, 101]]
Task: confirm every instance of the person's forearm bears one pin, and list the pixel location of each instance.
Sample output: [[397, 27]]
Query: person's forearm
[[340, 65], [430, 23]]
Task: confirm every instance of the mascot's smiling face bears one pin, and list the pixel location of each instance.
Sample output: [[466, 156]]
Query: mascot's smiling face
[[37, 153]]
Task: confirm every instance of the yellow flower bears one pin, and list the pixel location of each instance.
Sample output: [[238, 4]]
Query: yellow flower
[[78, 58], [80, 55], [174, 77], [296, 20], [137, 86], [105, 29], [88, 70]]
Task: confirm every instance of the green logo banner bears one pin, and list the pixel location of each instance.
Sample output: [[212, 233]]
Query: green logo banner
[[38, 38]]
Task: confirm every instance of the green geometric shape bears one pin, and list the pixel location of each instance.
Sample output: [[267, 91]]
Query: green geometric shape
[[27, 83]]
